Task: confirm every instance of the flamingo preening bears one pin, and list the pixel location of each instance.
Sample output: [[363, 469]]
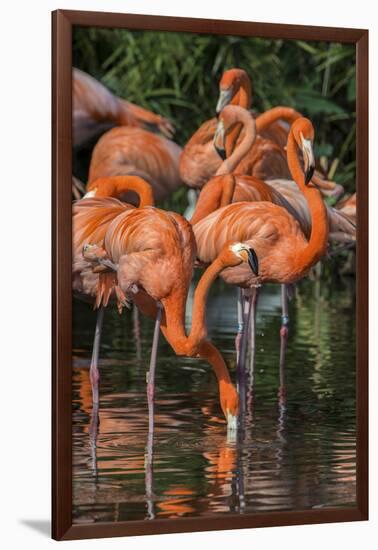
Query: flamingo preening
[[96, 109], [284, 253], [146, 255], [199, 162], [251, 225], [265, 158], [229, 186]]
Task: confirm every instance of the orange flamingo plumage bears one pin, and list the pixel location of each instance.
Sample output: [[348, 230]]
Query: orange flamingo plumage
[[266, 157], [348, 206], [228, 186], [150, 253], [199, 162], [91, 217], [285, 254], [134, 151], [96, 109]]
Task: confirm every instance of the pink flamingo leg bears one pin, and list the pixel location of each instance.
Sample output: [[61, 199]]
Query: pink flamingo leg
[[284, 331], [253, 331], [149, 456], [241, 372], [94, 373], [239, 334], [249, 304], [152, 370], [93, 433], [136, 330]]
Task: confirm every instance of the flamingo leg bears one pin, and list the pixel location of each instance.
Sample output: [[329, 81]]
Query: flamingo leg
[[249, 305], [241, 372], [93, 433], [136, 330], [253, 331], [239, 334], [149, 475], [94, 373], [284, 331], [152, 370]]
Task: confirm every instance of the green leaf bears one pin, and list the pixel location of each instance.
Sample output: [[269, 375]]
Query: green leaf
[[314, 103]]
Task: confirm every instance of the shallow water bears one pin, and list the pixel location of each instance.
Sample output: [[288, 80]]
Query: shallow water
[[297, 450]]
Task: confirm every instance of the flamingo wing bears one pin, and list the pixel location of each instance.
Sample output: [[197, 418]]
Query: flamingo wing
[[133, 151]]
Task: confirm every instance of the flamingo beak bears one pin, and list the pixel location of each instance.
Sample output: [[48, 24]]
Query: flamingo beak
[[232, 422], [224, 99], [90, 194], [219, 140], [308, 159], [253, 261]]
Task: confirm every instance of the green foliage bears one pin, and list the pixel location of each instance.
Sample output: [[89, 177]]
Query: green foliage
[[177, 75]]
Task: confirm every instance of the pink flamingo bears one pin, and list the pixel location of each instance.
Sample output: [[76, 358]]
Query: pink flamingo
[[96, 109], [285, 253], [146, 255]]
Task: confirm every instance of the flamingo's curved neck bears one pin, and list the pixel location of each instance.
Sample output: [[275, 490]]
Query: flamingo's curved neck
[[196, 344], [249, 127], [242, 98], [175, 306], [317, 243], [272, 115], [216, 193], [115, 186]]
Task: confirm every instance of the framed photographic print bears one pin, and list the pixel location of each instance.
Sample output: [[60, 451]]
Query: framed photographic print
[[210, 276]]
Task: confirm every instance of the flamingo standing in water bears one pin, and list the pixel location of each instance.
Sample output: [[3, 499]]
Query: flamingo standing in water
[[229, 187], [91, 217], [151, 254], [285, 253], [96, 109]]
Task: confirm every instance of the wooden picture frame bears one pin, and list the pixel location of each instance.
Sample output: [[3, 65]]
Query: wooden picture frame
[[62, 24]]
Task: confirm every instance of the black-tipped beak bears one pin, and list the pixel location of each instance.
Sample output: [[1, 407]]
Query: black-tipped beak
[[221, 152], [308, 159], [253, 261], [308, 174], [219, 140]]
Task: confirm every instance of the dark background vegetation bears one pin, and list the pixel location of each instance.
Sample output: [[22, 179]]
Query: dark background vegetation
[[177, 75]]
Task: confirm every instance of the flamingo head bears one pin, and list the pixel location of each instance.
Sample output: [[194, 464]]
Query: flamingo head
[[229, 400], [101, 187], [238, 253], [304, 133], [220, 139], [91, 193], [229, 85], [231, 117]]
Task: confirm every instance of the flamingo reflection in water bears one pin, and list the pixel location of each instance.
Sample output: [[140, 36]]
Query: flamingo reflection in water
[[226, 468]]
